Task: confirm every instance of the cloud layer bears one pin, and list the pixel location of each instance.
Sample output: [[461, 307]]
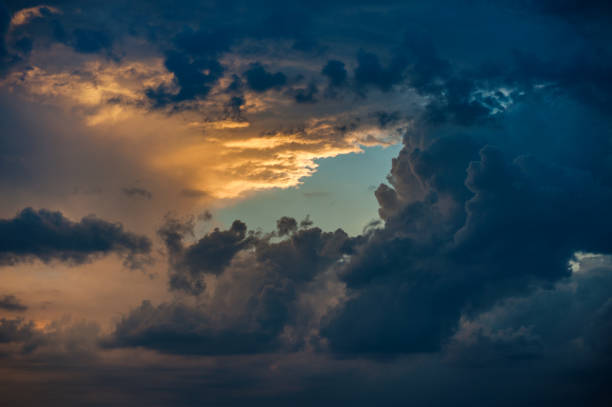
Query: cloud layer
[[484, 280]]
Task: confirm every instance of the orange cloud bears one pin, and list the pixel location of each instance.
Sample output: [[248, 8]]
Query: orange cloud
[[198, 148], [23, 16]]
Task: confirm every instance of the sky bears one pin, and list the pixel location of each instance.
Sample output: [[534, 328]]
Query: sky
[[220, 203]]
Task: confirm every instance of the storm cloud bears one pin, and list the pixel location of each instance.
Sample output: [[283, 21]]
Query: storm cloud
[[483, 274], [258, 290], [49, 236]]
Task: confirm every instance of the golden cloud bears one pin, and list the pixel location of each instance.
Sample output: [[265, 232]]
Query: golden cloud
[[198, 148], [23, 16]]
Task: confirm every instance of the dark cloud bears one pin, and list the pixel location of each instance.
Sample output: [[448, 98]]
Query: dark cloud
[[90, 41], [137, 192], [194, 64], [257, 289], [286, 225], [461, 294], [335, 72], [63, 339], [307, 45], [306, 222], [234, 107], [24, 45], [176, 328], [306, 95], [194, 77], [5, 19], [11, 303], [370, 71], [546, 323], [49, 236], [451, 246], [16, 330], [284, 22], [211, 254], [205, 43], [235, 85], [387, 118], [572, 9], [260, 80]]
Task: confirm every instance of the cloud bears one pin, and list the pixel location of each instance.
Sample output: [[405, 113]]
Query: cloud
[[335, 72], [467, 291], [258, 296], [194, 78], [49, 236], [23, 16], [570, 319], [451, 246], [205, 42], [370, 72], [56, 340], [153, 94], [286, 225], [306, 95], [137, 192], [211, 254], [15, 330], [11, 303], [90, 41], [260, 80], [5, 19], [176, 328], [222, 124]]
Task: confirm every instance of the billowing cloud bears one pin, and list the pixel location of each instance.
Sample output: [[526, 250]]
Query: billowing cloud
[[49, 236], [461, 247], [485, 278], [252, 291]]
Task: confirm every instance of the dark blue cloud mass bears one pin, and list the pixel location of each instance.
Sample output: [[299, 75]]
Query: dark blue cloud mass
[[486, 279], [49, 236], [260, 80], [483, 203]]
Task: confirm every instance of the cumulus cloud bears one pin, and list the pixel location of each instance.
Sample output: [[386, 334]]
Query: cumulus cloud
[[194, 78], [470, 218], [49, 236], [572, 318], [450, 246], [261, 295], [211, 254], [370, 72], [469, 282]]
